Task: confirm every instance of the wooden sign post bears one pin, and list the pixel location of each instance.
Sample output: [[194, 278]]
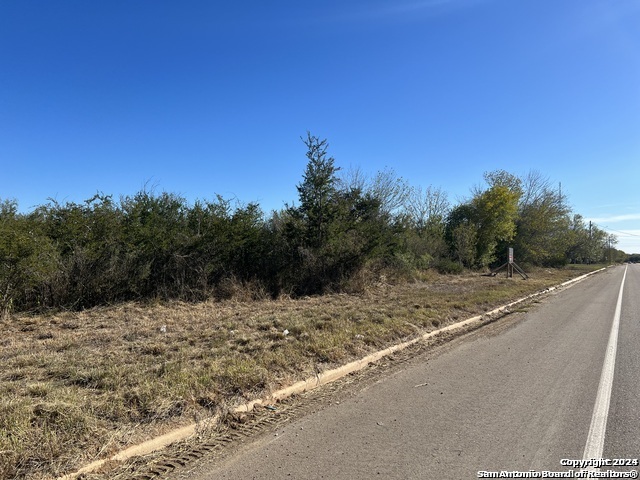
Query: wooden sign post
[[511, 266]]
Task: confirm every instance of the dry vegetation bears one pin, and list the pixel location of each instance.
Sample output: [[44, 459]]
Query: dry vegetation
[[78, 386]]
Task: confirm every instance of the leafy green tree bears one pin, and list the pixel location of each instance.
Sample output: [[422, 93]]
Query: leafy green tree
[[28, 261], [154, 229], [285, 260], [611, 253], [247, 241], [496, 211], [207, 249], [489, 217], [578, 238], [543, 223], [587, 242], [361, 232], [462, 234], [337, 227], [88, 239]]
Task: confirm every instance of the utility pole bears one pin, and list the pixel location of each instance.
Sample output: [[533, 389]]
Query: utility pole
[[560, 191], [590, 245], [610, 240]]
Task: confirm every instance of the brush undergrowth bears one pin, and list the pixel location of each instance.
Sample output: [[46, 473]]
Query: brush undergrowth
[[79, 386]]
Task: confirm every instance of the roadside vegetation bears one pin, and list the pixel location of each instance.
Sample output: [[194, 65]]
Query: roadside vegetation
[[81, 385], [123, 318], [345, 228]]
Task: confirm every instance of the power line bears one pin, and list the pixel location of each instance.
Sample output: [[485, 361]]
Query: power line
[[624, 233]]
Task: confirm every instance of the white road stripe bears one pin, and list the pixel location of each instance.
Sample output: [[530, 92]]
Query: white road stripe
[[598, 428]]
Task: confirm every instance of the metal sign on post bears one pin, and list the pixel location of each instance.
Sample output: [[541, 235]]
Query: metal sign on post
[[511, 266]]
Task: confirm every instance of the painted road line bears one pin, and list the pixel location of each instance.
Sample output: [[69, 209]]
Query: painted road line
[[598, 428]]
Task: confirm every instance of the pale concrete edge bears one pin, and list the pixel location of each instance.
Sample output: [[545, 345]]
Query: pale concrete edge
[[323, 378]]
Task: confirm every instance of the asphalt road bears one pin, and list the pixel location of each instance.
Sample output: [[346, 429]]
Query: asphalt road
[[519, 399]]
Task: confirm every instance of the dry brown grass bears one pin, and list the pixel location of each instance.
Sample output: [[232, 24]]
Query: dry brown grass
[[79, 386]]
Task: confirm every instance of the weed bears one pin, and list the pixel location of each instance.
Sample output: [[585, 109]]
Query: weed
[[73, 382]]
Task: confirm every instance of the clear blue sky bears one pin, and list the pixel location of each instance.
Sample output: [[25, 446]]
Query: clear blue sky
[[209, 97]]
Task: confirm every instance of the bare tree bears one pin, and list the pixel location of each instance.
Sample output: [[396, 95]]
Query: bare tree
[[390, 190], [428, 206], [535, 188], [385, 186], [353, 179]]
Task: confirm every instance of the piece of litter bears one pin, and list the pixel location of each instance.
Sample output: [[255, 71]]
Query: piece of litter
[[270, 407], [286, 332], [163, 329], [421, 385]]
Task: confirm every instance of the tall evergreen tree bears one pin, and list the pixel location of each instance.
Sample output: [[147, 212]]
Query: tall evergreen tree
[[317, 190]]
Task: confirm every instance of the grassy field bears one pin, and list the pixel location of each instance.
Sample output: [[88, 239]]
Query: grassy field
[[76, 386]]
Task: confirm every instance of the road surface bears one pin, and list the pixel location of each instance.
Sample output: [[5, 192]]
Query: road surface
[[532, 392]]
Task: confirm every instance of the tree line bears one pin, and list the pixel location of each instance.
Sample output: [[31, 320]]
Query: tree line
[[157, 245]]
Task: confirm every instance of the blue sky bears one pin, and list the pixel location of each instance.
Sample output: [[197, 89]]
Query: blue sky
[[209, 97]]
